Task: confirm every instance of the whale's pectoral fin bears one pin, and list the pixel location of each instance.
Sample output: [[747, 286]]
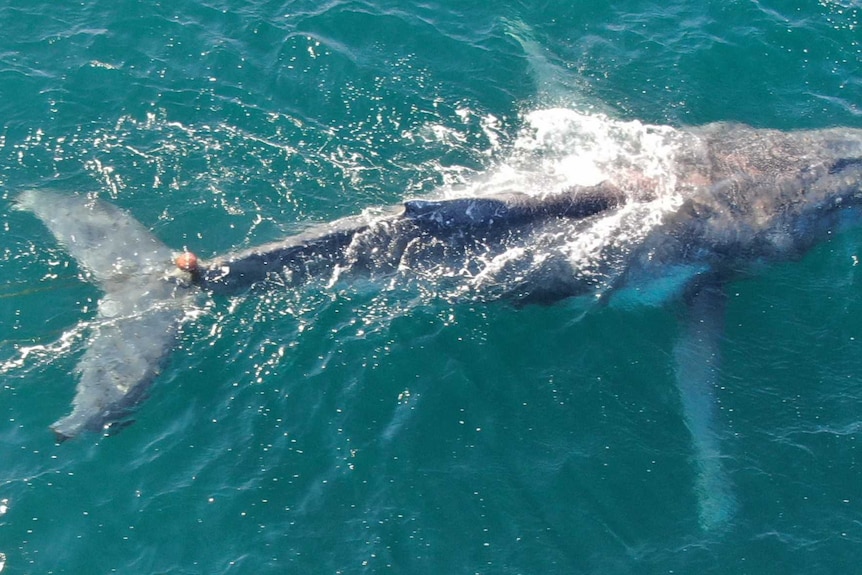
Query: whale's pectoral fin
[[138, 315], [696, 359]]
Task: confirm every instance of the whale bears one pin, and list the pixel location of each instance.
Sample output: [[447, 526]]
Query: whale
[[732, 199]]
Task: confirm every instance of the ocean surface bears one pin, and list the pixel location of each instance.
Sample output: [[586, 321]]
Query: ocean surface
[[352, 428]]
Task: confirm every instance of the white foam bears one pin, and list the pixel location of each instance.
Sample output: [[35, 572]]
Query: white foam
[[558, 148]]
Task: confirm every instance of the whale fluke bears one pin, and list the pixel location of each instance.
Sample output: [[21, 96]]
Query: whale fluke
[[137, 317]]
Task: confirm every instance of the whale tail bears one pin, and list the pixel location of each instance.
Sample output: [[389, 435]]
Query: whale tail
[[138, 316]]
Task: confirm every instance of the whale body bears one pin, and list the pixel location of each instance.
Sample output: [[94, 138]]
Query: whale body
[[738, 197]]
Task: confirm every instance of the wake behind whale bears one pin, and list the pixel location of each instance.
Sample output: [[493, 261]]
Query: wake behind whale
[[663, 213]]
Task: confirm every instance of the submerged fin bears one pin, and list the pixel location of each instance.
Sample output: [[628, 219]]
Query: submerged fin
[[138, 315], [696, 359]]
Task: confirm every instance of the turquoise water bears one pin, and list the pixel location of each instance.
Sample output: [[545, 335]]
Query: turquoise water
[[357, 429]]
